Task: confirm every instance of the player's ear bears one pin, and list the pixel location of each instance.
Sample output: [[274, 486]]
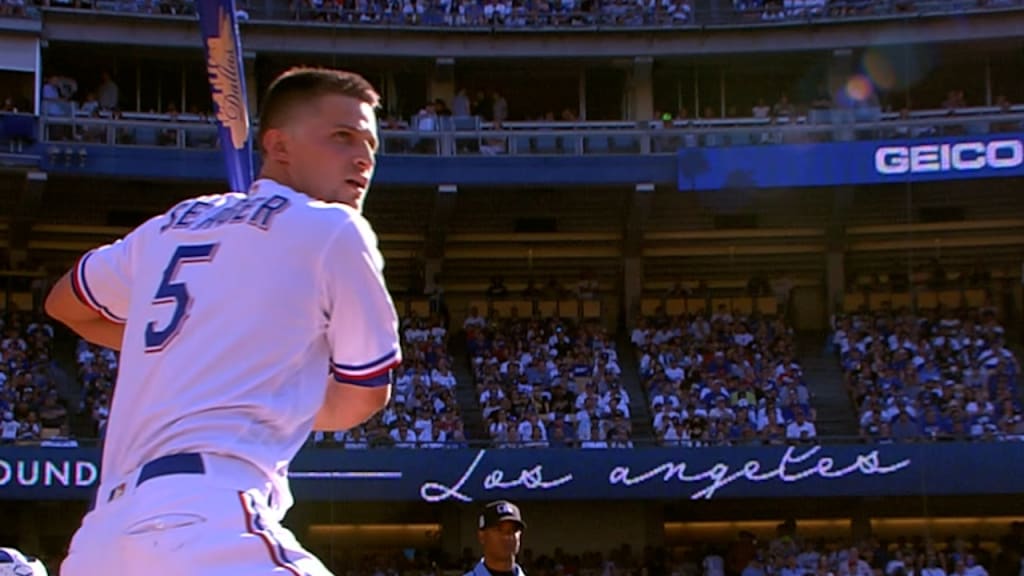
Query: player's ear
[[276, 145]]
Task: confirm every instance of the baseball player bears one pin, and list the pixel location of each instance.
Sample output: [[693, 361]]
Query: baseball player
[[500, 532], [244, 321], [14, 563]]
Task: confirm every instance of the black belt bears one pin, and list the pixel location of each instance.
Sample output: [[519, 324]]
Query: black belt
[[188, 463]]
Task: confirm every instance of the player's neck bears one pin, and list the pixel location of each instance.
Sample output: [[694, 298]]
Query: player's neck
[[277, 174], [500, 565]]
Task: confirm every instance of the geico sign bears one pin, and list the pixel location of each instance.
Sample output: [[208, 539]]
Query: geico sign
[[949, 157]]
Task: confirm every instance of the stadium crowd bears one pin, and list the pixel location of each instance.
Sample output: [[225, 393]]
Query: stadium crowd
[[940, 376], [547, 382], [721, 379], [97, 373], [523, 13], [423, 411], [30, 406]]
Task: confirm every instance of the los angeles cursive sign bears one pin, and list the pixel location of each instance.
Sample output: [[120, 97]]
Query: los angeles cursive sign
[[529, 478], [792, 467], [787, 470]]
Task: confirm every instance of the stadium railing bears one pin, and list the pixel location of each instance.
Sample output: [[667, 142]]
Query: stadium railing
[[637, 442], [605, 15], [571, 138]]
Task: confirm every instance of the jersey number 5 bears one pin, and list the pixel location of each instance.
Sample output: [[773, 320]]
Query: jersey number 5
[[171, 292]]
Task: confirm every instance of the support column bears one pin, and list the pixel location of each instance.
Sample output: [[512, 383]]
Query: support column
[[642, 89], [835, 281], [835, 250], [633, 261], [433, 250], [442, 80], [28, 204], [860, 527]]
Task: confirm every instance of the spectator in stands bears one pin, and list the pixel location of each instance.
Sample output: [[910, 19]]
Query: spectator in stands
[[108, 92], [460, 104], [761, 110], [30, 429], [9, 428], [497, 288], [783, 108]]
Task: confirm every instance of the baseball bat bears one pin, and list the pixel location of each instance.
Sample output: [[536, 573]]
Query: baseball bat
[[224, 66]]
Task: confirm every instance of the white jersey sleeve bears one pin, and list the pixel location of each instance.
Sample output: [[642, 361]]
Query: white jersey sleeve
[[362, 330], [102, 278]]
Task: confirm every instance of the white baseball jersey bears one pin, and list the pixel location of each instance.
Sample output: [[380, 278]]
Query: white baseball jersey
[[237, 309]]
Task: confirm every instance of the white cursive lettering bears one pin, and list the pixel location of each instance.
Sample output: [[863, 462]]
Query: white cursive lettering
[[532, 479], [437, 492], [529, 478], [720, 475]]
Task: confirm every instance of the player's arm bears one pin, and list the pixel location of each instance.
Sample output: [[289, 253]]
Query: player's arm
[[64, 306], [362, 329], [93, 297]]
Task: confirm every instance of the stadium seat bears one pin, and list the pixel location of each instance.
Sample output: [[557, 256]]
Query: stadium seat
[[695, 305], [547, 308], [927, 300], [625, 144], [950, 298], [546, 145], [743, 305], [767, 305], [901, 300], [482, 307], [879, 300], [596, 144], [649, 306], [503, 308], [975, 297], [716, 303], [853, 301], [420, 308], [675, 306], [401, 306], [569, 309]]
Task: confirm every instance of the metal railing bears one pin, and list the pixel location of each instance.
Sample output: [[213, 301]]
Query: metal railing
[[606, 14], [636, 442], [563, 139]]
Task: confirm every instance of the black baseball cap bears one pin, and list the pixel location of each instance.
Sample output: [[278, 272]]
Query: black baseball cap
[[497, 512]]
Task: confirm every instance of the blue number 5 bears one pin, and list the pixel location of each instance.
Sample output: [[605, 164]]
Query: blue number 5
[[177, 293]]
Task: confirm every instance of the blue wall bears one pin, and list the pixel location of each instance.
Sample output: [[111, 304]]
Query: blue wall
[[765, 166], [654, 473]]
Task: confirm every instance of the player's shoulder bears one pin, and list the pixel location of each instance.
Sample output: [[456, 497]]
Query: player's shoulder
[[346, 224], [317, 213]]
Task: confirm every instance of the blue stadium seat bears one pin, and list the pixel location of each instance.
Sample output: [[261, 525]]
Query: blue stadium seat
[[466, 123], [546, 144], [146, 137], [596, 144], [625, 143]]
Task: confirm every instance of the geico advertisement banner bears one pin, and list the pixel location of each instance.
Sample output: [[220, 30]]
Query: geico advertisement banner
[[842, 163], [465, 475]]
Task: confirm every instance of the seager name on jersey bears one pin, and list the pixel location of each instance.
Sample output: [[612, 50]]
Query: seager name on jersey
[[200, 215]]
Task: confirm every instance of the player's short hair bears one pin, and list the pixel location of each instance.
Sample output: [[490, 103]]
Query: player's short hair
[[297, 86]]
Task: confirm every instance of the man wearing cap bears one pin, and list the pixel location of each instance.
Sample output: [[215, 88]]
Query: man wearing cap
[[500, 529]]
